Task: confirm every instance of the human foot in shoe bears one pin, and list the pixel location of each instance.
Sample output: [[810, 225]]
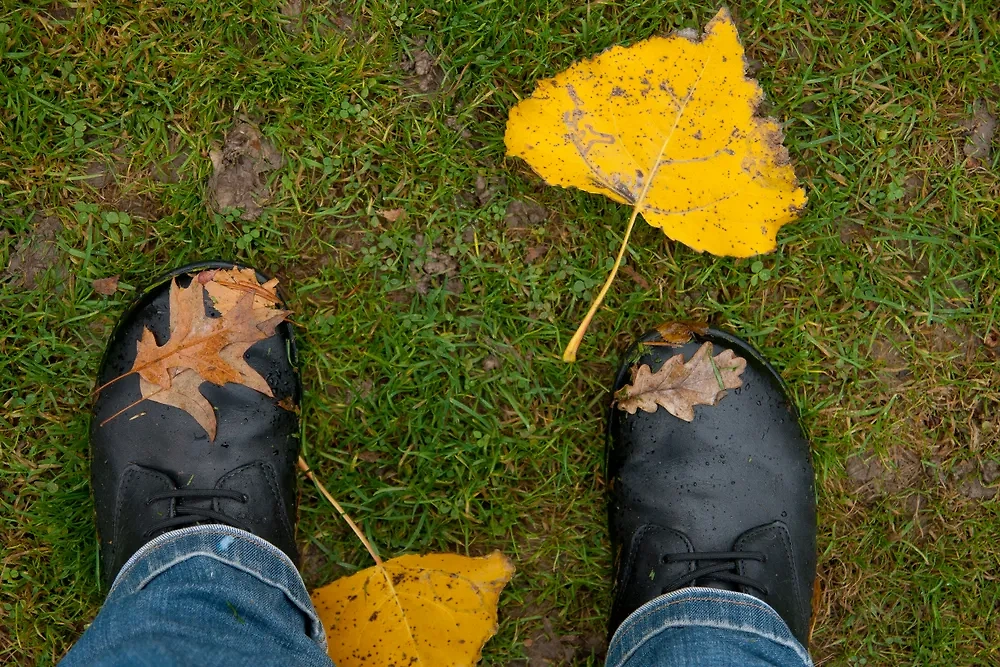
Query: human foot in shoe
[[725, 501], [154, 468]]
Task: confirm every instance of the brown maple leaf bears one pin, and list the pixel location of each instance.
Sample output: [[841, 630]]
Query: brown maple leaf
[[679, 386], [203, 349]]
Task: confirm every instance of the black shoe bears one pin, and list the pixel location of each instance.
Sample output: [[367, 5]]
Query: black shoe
[[154, 468], [725, 501]]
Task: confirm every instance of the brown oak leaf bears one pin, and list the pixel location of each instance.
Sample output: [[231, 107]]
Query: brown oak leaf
[[676, 334], [226, 287], [203, 349], [679, 386]]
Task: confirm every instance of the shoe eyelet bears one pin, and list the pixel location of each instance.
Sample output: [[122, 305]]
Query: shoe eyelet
[[665, 559], [764, 559], [245, 499]]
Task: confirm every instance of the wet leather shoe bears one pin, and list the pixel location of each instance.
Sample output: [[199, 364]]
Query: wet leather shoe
[[154, 468], [725, 501]]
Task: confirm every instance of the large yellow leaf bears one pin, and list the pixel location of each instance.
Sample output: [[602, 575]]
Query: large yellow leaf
[[674, 114], [420, 611]]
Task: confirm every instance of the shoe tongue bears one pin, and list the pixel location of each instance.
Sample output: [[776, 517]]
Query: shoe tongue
[[195, 503], [204, 502]]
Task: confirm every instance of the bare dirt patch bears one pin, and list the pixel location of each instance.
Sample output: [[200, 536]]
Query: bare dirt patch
[[943, 339], [36, 252], [488, 188], [334, 18], [99, 174], [139, 205], [491, 363], [914, 188], [168, 168], [437, 268], [635, 276], [548, 648], [524, 214], [319, 249], [425, 75], [60, 11], [121, 169], [970, 479], [241, 167], [315, 566], [291, 10], [430, 268], [980, 127], [851, 233], [873, 476], [893, 368], [106, 171]]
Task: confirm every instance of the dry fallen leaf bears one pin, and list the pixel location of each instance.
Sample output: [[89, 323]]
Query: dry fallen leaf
[[203, 349], [669, 126], [435, 610], [105, 286], [679, 386], [227, 286], [675, 334], [391, 215]]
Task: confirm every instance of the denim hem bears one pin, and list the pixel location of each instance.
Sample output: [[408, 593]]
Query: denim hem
[[232, 546], [686, 607]]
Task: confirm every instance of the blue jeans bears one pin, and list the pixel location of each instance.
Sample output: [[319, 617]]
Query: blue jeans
[[219, 596], [702, 627], [205, 595]]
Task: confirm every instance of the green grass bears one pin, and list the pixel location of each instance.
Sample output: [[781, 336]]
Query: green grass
[[875, 309]]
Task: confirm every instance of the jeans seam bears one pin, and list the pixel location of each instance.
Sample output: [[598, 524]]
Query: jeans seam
[[741, 603], [194, 554], [175, 535], [219, 530], [688, 623]]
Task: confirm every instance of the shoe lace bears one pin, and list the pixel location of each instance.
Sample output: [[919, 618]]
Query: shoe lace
[[723, 569], [185, 515]]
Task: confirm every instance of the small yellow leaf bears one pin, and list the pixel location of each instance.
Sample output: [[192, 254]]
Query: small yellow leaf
[[435, 610], [669, 126]]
